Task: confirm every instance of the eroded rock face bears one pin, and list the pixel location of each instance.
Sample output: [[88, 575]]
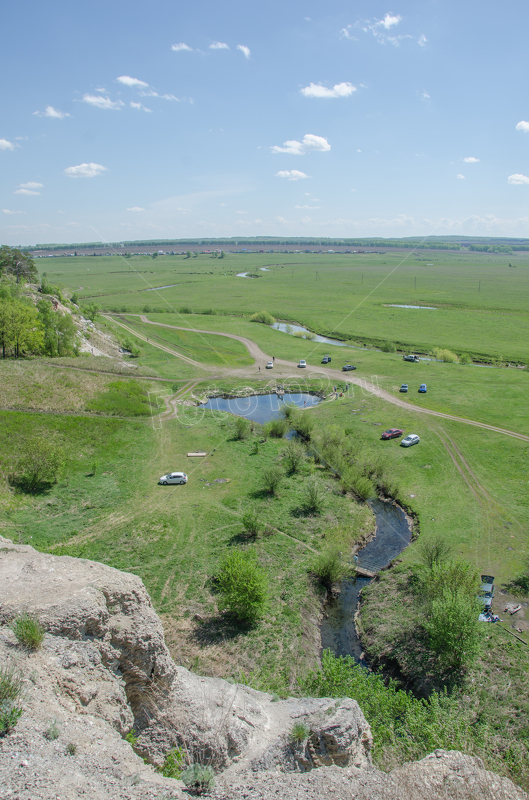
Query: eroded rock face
[[104, 669]]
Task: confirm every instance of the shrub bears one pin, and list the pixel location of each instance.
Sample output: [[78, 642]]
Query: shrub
[[28, 631], [131, 738], [309, 335], [363, 487], [294, 456], [444, 355], [185, 310], [242, 586], [250, 521], [302, 423], [465, 358], [53, 732], [272, 477], [241, 428], [276, 428], [210, 312], [146, 309], [40, 464], [264, 317], [520, 584], [453, 630], [313, 495], [10, 691], [174, 763], [199, 779], [388, 347], [300, 731], [434, 552], [71, 749], [329, 567]]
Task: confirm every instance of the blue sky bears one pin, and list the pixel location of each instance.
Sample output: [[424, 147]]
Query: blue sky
[[171, 119]]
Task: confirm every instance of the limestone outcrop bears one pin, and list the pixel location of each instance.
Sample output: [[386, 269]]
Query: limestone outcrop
[[104, 671]]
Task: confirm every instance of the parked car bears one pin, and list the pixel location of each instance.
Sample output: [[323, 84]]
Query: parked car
[[270, 365], [302, 363], [486, 590], [410, 357], [348, 368], [173, 477], [412, 438], [404, 387], [422, 388], [392, 433], [326, 360]]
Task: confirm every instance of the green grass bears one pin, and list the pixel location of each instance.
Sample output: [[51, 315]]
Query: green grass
[[28, 630]]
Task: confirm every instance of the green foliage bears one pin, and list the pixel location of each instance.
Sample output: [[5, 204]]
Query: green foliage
[[20, 330], [174, 763], [185, 310], [28, 630], [146, 309], [313, 495], [272, 477], [90, 311], [445, 355], [210, 312], [241, 428], [131, 738], [59, 330], [276, 428], [11, 682], [39, 464], [465, 358], [262, 316], [299, 733], [20, 265], [388, 347], [75, 298], [520, 584], [222, 255], [329, 566], [53, 731], [250, 521], [188, 254], [453, 630], [71, 749], [433, 552], [126, 398], [199, 779], [294, 456], [242, 586]]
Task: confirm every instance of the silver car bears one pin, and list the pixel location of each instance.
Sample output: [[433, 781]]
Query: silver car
[[409, 440], [173, 477]]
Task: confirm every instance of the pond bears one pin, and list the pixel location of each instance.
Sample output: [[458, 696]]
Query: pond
[[393, 534], [289, 328], [262, 407], [397, 305]]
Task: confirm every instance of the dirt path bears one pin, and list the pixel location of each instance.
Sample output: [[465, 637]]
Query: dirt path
[[333, 375]]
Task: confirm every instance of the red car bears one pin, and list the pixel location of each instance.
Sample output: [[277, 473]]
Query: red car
[[392, 433]]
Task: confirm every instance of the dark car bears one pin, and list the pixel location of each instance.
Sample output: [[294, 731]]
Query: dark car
[[486, 590], [392, 433], [404, 387], [326, 360], [348, 368]]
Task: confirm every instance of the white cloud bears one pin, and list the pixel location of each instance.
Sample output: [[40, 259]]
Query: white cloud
[[135, 208], [338, 90], [54, 113], [126, 80], [26, 192], [5, 145], [153, 93], [517, 179], [471, 160], [181, 46], [219, 46], [244, 50], [312, 208], [7, 211], [425, 96], [389, 20], [85, 170], [460, 177], [282, 220], [523, 126], [309, 143], [140, 107], [422, 40], [379, 28], [30, 185], [102, 102], [291, 174]]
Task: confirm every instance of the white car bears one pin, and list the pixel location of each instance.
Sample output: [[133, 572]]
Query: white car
[[270, 365], [302, 363], [173, 477], [409, 440]]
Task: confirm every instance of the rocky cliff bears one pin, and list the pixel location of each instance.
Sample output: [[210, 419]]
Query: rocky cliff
[[104, 670]]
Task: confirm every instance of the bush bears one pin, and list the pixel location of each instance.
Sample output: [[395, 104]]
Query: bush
[[210, 312], [329, 567], [174, 764], [242, 586], [199, 779], [250, 521], [28, 631], [10, 691], [299, 733], [313, 495], [272, 478], [264, 317], [185, 310], [53, 732], [388, 347], [40, 464], [444, 355], [363, 487], [453, 630], [294, 456], [276, 428], [520, 584], [465, 358], [434, 552], [241, 428]]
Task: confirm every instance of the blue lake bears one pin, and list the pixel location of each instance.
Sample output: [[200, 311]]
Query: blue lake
[[260, 408]]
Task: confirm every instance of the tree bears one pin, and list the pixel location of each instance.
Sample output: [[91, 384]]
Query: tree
[[221, 254], [25, 331], [91, 311], [453, 629], [242, 586], [21, 265], [241, 428], [294, 456], [59, 330], [188, 254], [40, 464]]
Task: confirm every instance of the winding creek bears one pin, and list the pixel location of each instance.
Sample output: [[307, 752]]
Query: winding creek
[[392, 535]]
